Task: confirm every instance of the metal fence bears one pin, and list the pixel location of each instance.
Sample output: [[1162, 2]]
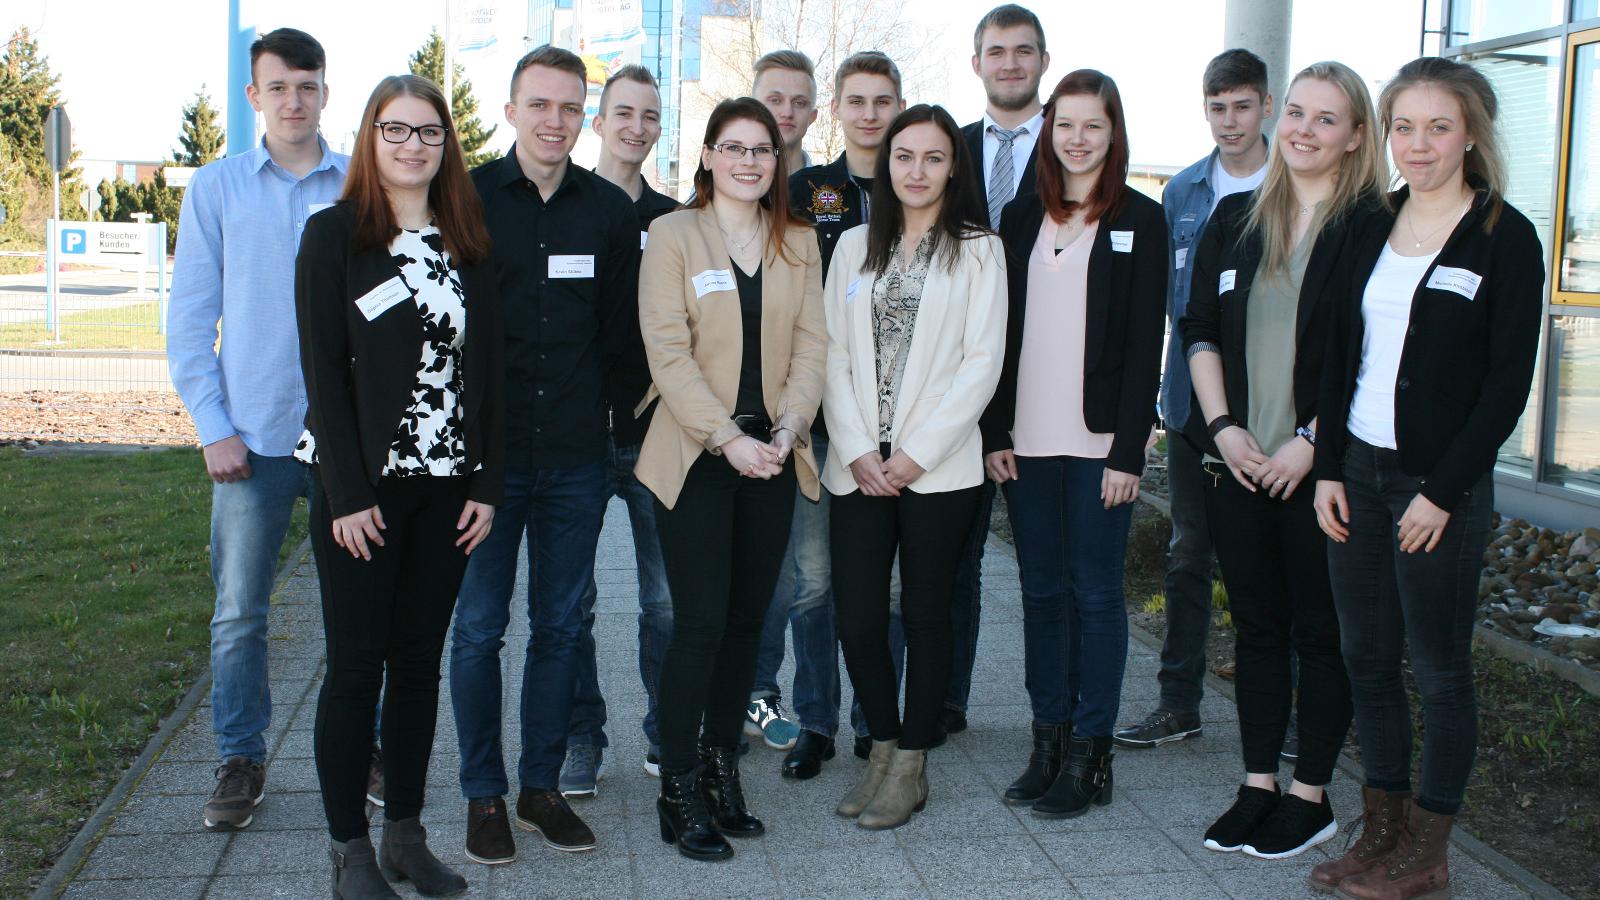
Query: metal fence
[[94, 371]]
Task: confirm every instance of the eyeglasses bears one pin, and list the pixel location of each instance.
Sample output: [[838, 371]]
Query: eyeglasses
[[761, 154], [400, 132]]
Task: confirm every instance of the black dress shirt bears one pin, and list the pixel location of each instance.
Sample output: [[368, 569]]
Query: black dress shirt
[[829, 198], [630, 377], [568, 270], [749, 400]]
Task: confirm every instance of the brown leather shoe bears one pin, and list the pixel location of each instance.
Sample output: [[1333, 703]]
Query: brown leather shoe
[[1419, 867], [1380, 833], [548, 813]]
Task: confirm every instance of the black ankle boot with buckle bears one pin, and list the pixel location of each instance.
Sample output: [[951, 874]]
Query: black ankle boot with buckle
[[1085, 779], [1044, 766], [725, 795], [685, 818]]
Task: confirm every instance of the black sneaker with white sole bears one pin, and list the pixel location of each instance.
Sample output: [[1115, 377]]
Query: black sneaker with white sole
[[1241, 821], [1294, 827], [1162, 726]]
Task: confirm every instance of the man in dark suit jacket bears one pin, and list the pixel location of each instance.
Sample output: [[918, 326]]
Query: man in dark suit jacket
[[1008, 55]]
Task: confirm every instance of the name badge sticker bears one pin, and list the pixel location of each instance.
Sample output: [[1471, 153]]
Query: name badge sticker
[[382, 298], [712, 280], [571, 266], [1460, 281], [1122, 242], [1225, 283], [644, 238], [851, 289], [1182, 257]]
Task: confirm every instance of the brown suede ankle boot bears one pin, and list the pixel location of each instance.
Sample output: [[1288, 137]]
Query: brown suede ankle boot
[[1419, 867], [1380, 832]]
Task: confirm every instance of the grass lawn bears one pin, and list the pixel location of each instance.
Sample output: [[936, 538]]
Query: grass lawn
[[105, 604], [133, 326]]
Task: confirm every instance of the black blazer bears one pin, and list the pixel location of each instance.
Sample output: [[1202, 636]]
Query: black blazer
[[1123, 326], [359, 374], [1467, 364], [1219, 319], [973, 134]]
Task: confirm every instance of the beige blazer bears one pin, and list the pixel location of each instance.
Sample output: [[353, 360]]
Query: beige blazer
[[694, 341], [957, 348]]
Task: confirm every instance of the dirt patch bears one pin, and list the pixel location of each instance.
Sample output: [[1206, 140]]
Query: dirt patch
[[145, 417]]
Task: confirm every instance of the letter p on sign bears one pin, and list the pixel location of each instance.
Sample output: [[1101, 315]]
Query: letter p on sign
[[74, 240]]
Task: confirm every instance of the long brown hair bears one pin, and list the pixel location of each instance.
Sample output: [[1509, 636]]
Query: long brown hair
[[457, 211], [776, 200], [1105, 198], [1482, 165], [961, 216]]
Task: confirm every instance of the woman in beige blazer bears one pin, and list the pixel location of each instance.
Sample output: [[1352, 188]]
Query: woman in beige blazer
[[730, 305], [916, 311]]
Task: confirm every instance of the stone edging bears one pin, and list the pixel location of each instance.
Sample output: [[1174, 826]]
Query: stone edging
[[1539, 658], [1465, 842], [72, 858]]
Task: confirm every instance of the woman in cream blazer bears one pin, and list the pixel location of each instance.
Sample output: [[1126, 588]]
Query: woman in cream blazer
[[916, 309], [730, 308]]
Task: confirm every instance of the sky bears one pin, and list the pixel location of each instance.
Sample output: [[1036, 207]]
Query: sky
[[128, 67]]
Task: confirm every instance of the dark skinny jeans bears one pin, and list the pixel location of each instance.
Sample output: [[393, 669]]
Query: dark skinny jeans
[[1425, 602], [384, 621], [722, 544], [1274, 562]]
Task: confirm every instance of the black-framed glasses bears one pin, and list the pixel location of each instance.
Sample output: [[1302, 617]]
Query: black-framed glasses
[[731, 150], [400, 132]]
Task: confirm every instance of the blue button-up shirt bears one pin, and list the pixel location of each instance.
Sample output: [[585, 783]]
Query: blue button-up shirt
[[237, 239]]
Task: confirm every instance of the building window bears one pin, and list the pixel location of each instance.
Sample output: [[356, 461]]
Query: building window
[[1577, 269], [1472, 21], [1573, 447], [1585, 9]]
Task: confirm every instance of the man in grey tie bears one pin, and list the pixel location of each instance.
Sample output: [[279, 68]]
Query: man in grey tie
[[1008, 55]]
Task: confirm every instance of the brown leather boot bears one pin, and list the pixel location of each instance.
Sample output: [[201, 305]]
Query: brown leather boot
[[1419, 867], [1380, 832], [903, 791], [873, 775]]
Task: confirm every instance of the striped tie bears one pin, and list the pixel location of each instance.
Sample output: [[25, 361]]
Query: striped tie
[[1002, 178]]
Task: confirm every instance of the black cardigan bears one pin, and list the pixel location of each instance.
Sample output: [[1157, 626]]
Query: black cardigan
[[359, 373], [1467, 364], [1219, 319], [1123, 324]]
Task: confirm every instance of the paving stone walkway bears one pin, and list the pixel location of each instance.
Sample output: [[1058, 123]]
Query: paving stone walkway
[[1146, 844]]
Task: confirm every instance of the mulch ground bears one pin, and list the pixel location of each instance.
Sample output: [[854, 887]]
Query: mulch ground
[[126, 417]]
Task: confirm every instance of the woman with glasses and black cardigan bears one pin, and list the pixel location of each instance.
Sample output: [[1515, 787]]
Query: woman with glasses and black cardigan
[[730, 306], [1433, 350], [400, 347]]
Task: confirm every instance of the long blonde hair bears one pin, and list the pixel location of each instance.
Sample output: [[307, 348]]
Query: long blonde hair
[[1483, 162], [1273, 209]]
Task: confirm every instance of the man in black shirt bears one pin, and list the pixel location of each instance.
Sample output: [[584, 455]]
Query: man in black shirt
[[566, 249], [629, 124]]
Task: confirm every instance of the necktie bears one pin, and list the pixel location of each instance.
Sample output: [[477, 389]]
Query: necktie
[[1002, 176]]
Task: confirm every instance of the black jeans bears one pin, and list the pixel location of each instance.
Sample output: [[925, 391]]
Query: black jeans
[[384, 621], [1388, 601], [1274, 563], [1187, 585], [928, 531], [722, 544]]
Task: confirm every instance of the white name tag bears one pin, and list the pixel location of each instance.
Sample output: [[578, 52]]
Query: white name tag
[[572, 266], [851, 289], [1122, 242], [1182, 257], [1460, 281], [644, 238], [711, 281], [380, 299], [1225, 283]]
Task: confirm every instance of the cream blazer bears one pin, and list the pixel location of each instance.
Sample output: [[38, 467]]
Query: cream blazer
[[694, 341], [957, 348]]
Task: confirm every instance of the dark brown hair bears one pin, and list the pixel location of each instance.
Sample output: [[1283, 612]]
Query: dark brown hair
[[1007, 16], [777, 199], [457, 211], [550, 57], [298, 50], [960, 215], [1232, 70], [1105, 198]]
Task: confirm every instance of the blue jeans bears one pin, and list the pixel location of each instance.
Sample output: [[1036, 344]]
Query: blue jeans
[[249, 519], [966, 602], [1188, 580], [560, 511], [1070, 552], [655, 611]]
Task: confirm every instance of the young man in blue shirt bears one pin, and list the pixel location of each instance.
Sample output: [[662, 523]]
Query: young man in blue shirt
[[234, 270], [1237, 104]]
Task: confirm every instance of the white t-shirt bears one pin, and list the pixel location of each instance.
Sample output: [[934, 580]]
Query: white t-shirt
[[1223, 184], [1385, 315]]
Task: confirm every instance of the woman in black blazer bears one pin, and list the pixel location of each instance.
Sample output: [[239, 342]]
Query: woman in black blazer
[[400, 346], [1266, 274], [1066, 431], [1429, 368]]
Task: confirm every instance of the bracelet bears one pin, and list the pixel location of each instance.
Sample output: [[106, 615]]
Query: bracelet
[[1220, 424], [1308, 434]]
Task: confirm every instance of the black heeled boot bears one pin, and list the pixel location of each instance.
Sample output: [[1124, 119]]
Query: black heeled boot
[[725, 795], [685, 820], [355, 872], [1085, 779], [1044, 765], [404, 856]]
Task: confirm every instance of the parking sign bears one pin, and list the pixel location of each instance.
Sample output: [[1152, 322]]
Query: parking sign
[[74, 240]]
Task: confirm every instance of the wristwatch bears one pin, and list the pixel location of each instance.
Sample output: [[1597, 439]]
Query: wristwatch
[[1308, 434], [1219, 424]]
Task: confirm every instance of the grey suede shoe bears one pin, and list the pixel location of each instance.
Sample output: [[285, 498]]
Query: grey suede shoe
[[355, 872], [877, 769], [902, 793], [405, 857]]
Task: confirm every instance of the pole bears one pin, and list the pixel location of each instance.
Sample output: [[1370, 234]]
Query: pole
[[1262, 26], [161, 277], [55, 190], [51, 282]]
